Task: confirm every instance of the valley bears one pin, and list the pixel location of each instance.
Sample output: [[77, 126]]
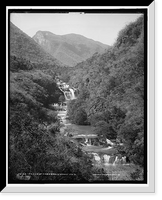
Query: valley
[[102, 152], [76, 107], [69, 49]]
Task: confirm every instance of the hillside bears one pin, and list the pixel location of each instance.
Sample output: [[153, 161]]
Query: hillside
[[21, 45], [111, 92], [70, 49], [109, 97], [33, 147], [31, 70]]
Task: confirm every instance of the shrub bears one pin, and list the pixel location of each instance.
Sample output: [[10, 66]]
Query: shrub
[[103, 129], [137, 174], [54, 129], [80, 117], [77, 113]]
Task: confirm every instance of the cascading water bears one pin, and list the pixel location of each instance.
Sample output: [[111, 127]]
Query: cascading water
[[87, 142], [72, 94], [109, 160], [96, 157], [67, 96], [68, 92], [116, 160], [105, 159]]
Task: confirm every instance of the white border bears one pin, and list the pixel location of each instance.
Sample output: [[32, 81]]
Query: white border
[[75, 7], [7, 76], [104, 188]]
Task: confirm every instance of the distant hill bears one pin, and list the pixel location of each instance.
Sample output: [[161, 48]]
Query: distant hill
[[70, 49], [21, 45]]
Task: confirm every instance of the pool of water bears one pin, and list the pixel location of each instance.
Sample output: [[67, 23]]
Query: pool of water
[[81, 129], [76, 129], [86, 130]]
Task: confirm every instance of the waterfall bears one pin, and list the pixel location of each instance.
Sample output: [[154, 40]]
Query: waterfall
[[96, 157], [109, 142], [67, 95], [124, 159], [106, 158], [120, 160], [86, 140], [116, 160], [109, 159], [72, 94], [68, 92]]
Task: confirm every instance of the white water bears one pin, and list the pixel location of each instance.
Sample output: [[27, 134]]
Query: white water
[[96, 157], [109, 142], [68, 92], [109, 160], [72, 94], [104, 159]]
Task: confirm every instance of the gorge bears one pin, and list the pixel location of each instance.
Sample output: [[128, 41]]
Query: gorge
[[87, 140], [82, 120]]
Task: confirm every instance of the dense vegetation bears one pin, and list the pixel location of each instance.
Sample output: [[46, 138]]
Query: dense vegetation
[[111, 92], [24, 46], [110, 97], [35, 143]]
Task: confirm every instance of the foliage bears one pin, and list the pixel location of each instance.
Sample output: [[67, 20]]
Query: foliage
[[65, 74], [35, 145], [124, 172], [103, 129], [21, 45], [110, 98], [137, 174], [77, 113], [80, 117], [34, 150], [51, 90], [111, 91], [61, 99], [54, 129], [19, 64]]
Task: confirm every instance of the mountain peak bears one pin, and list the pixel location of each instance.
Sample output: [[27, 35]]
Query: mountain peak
[[70, 48], [21, 45]]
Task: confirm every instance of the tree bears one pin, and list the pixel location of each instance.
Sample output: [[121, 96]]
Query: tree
[[111, 91], [103, 129], [61, 99], [34, 149], [131, 134], [80, 117]]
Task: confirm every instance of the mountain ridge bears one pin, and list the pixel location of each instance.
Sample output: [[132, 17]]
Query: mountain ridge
[[72, 34], [70, 48], [22, 45]]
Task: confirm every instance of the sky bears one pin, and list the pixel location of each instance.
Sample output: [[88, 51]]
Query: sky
[[100, 27]]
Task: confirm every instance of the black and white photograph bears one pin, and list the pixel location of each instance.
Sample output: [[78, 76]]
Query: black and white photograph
[[77, 96]]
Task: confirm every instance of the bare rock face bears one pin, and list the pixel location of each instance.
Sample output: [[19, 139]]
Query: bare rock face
[[70, 49]]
